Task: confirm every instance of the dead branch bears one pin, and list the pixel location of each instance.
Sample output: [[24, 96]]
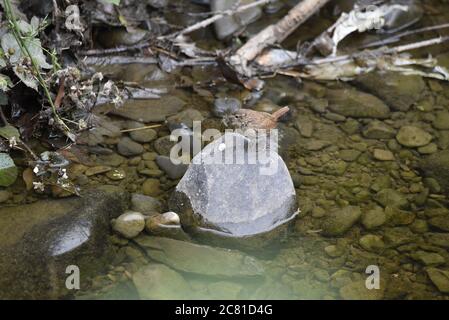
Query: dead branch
[[383, 50], [274, 34], [398, 37], [218, 16]]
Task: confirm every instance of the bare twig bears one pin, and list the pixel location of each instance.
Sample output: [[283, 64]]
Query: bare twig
[[397, 37], [142, 128], [274, 34], [397, 49], [3, 117], [209, 21]]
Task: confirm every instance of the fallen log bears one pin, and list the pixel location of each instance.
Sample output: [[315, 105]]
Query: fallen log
[[273, 34]]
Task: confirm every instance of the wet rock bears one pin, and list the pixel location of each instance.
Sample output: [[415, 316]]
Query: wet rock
[[378, 130], [167, 218], [398, 236], [128, 148], [440, 279], [227, 26], [145, 204], [428, 258], [349, 155], [334, 251], [151, 187], [399, 91], [186, 117], [38, 242], [397, 217], [159, 282], [351, 126], [441, 223], [357, 290], [373, 218], [166, 225], [438, 239], [340, 221], [223, 196], [371, 242], [436, 166], [441, 121], [5, 196], [316, 145], [391, 198], [383, 155], [150, 110], [116, 174], [112, 160], [97, 170], [226, 106], [142, 136], [410, 136], [305, 126], [357, 104], [200, 259], [129, 224], [428, 149], [419, 226], [164, 145], [173, 171]]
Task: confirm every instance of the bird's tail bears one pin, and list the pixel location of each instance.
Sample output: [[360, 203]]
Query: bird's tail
[[279, 113]]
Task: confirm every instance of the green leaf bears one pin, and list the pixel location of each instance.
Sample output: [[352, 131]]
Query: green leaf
[[26, 76], [8, 170], [9, 132]]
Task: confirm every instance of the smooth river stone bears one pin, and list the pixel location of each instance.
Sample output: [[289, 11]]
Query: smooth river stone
[[237, 199]]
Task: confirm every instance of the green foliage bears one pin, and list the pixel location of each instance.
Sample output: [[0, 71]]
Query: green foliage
[[8, 170], [17, 52]]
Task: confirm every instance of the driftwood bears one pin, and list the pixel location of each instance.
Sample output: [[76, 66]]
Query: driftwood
[[216, 17], [274, 34]]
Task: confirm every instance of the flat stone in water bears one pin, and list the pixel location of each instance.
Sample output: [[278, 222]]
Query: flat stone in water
[[38, 241], [236, 199], [149, 110], [440, 279], [410, 136], [158, 282], [127, 147], [200, 259], [348, 102], [399, 91]]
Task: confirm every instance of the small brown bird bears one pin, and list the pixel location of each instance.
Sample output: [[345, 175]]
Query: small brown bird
[[251, 119]]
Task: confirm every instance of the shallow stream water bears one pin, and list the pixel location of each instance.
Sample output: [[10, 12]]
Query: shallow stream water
[[364, 197]]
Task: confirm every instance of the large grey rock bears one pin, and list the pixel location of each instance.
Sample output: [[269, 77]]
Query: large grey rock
[[234, 200], [200, 259], [437, 166], [38, 241]]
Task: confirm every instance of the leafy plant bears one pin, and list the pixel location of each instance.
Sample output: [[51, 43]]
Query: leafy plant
[[8, 170], [24, 52]]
